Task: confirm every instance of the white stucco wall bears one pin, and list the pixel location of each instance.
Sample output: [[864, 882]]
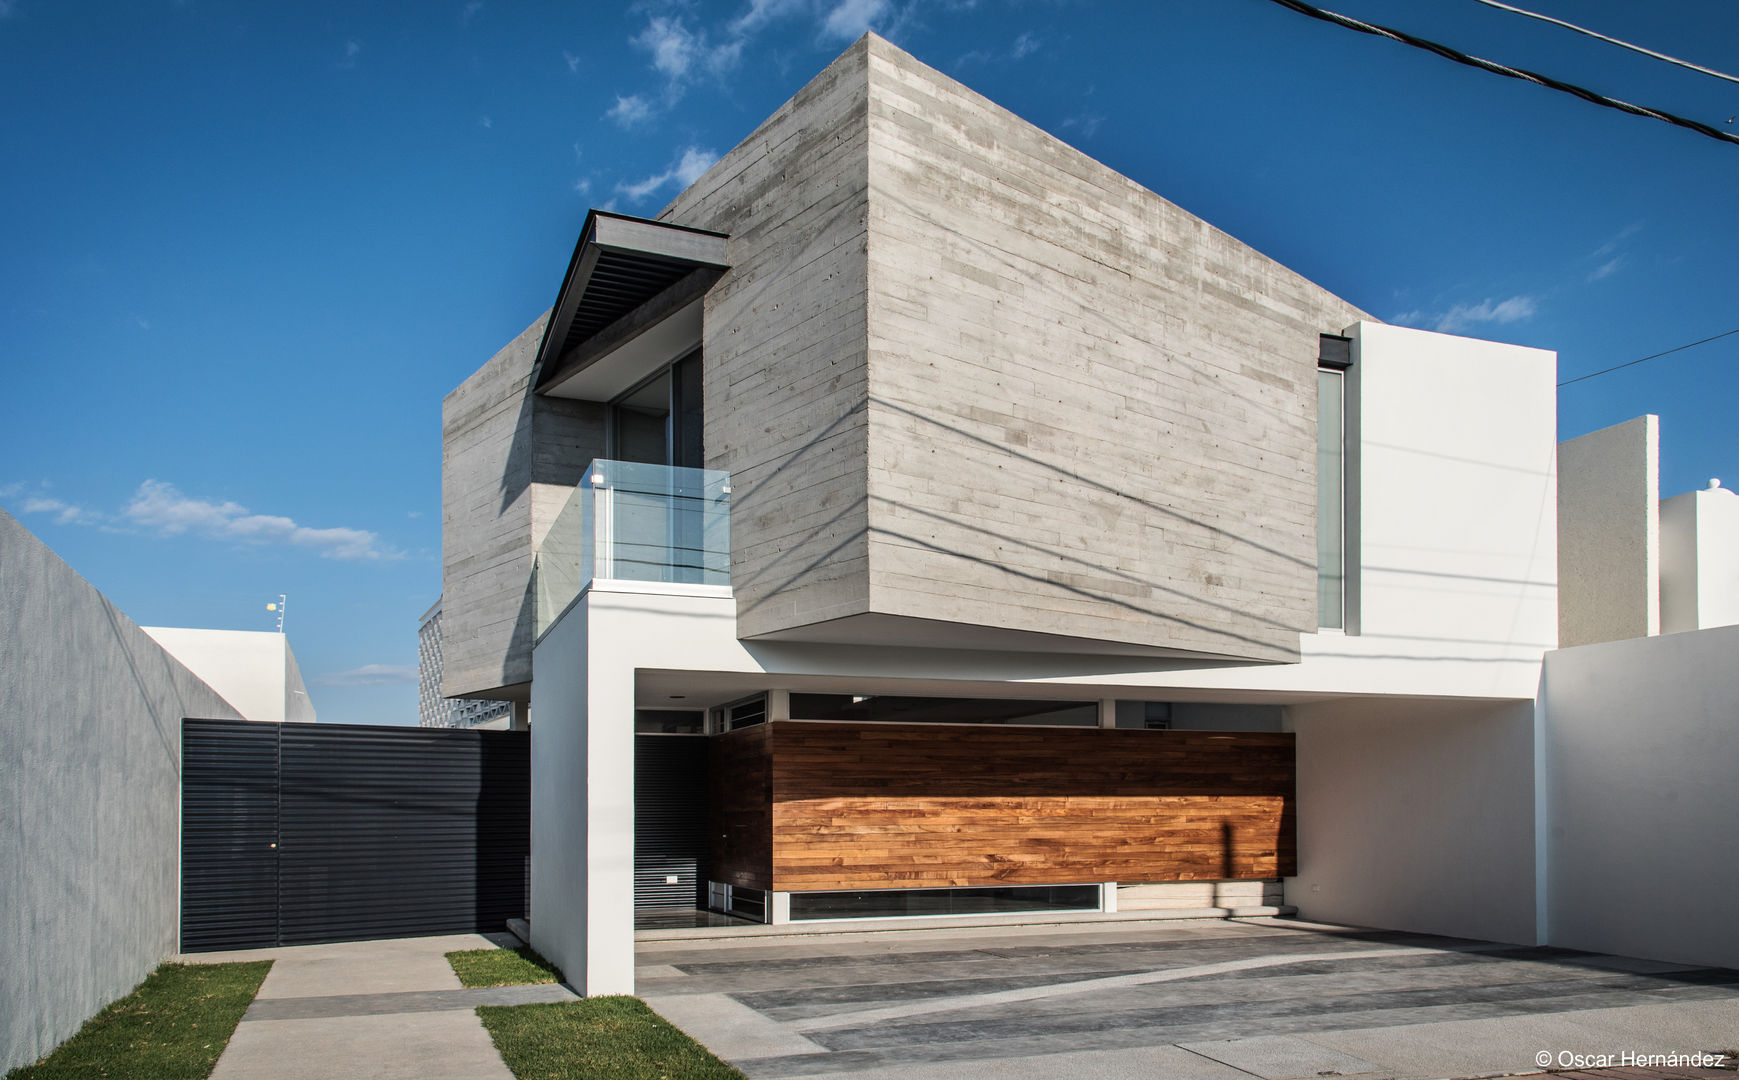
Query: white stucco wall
[[254, 670], [1642, 805], [1609, 533], [1417, 815], [1699, 560], [1452, 518]]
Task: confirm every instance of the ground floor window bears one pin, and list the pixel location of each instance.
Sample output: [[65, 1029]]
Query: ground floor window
[[892, 903]]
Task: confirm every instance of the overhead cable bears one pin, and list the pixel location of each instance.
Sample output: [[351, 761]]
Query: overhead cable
[[1633, 363], [1536, 78], [1610, 40]]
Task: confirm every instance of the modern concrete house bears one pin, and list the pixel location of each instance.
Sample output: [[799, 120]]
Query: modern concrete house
[[919, 517]]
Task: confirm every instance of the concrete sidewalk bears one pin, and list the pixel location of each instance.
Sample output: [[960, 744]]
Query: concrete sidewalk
[[381, 1010]]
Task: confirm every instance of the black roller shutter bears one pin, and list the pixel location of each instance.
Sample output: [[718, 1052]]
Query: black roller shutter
[[670, 837]]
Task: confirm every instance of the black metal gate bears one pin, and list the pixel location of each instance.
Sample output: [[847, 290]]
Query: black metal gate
[[293, 834], [670, 834]]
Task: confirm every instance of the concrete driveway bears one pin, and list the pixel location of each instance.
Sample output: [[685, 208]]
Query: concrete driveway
[[1214, 1000]]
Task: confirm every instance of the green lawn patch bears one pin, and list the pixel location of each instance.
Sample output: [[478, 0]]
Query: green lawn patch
[[171, 1027], [601, 1038], [502, 967]]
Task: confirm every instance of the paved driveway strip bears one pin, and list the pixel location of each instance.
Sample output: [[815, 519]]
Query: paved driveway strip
[[382, 1010], [1214, 1000]]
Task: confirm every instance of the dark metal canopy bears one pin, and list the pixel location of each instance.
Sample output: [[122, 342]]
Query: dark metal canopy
[[620, 266]]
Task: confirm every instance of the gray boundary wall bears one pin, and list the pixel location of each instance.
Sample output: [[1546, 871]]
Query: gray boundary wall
[[90, 786], [1641, 750]]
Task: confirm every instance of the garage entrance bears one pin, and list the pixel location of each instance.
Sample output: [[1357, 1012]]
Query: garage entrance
[[297, 834]]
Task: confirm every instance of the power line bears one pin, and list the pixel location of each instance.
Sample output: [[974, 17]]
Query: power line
[[1656, 356], [1610, 40], [1498, 69]]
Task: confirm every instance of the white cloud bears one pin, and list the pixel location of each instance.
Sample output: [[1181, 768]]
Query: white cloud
[[688, 168], [762, 12], [65, 513], [352, 49], [159, 506], [484, 121], [1606, 269], [573, 62], [1611, 246], [1463, 316], [630, 110], [370, 675], [673, 48], [694, 164], [1025, 45], [1085, 122], [470, 11], [583, 185], [851, 18]]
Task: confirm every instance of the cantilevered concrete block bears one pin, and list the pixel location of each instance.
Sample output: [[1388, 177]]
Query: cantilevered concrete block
[[977, 389]]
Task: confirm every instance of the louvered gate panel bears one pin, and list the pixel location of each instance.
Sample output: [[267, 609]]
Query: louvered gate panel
[[394, 832], [380, 832], [229, 826], [670, 834]]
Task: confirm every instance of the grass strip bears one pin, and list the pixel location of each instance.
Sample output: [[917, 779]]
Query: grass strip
[[172, 1026], [601, 1038], [502, 967]]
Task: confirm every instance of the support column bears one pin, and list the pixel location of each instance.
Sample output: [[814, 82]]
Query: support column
[[609, 796]]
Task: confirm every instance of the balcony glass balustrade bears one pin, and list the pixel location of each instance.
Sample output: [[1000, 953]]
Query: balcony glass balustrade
[[629, 521]]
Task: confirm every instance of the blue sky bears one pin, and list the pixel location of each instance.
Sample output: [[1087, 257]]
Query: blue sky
[[247, 248]]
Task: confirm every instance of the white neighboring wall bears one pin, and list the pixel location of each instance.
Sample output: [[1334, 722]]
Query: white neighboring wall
[[1417, 815], [1609, 533], [1699, 563], [254, 670], [1452, 539], [1641, 751]]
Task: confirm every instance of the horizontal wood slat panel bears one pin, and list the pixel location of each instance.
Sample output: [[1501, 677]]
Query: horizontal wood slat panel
[[918, 843], [802, 806]]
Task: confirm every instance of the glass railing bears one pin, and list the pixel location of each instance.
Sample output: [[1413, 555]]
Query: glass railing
[[629, 521]]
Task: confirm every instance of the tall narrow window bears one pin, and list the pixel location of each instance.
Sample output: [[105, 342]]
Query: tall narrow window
[[1334, 359]]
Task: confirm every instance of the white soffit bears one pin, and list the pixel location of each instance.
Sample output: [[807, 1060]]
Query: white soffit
[[617, 371]]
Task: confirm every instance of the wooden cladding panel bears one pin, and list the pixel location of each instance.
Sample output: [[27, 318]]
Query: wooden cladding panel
[[740, 807], [810, 806], [913, 842]]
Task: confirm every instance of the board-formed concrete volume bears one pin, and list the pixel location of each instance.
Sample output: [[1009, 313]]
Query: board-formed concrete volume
[[90, 774]]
